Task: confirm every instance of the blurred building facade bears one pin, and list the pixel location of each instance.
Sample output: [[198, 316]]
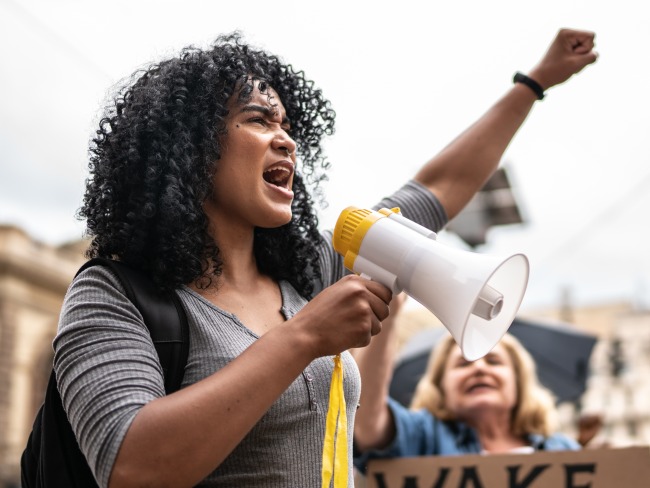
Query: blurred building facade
[[34, 279], [619, 382]]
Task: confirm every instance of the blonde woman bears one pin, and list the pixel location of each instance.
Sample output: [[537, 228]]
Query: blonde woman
[[493, 405]]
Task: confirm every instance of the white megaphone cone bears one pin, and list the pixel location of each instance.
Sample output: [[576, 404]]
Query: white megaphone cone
[[475, 296]]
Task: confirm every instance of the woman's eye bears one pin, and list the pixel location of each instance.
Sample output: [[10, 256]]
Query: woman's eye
[[257, 120]]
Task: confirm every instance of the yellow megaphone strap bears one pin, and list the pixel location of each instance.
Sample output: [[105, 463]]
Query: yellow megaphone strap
[[335, 449]]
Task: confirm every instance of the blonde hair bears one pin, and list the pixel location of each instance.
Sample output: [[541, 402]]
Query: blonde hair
[[534, 412]]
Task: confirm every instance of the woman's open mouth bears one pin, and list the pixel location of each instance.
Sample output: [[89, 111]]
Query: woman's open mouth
[[479, 386], [279, 174]]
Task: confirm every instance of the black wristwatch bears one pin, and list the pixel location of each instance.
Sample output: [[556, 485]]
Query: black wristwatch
[[530, 83]]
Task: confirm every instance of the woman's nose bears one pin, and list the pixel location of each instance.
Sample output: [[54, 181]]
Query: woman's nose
[[283, 142], [479, 365]]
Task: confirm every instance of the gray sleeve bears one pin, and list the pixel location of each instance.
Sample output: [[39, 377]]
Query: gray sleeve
[[106, 366], [415, 202]]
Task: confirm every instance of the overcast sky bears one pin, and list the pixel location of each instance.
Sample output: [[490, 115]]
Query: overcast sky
[[404, 78]]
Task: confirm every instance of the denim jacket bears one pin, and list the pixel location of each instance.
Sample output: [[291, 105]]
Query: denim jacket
[[419, 433]]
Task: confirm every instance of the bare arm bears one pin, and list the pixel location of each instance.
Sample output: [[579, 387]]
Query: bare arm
[[454, 176], [460, 169], [373, 425], [207, 420]]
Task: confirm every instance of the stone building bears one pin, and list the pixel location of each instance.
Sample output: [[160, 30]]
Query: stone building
[[618, 388], [33, 281]]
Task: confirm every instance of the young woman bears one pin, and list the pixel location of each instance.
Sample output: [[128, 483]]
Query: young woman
[[199, 176]]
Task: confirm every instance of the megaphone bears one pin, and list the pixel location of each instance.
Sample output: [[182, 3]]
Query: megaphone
[[475, 296]]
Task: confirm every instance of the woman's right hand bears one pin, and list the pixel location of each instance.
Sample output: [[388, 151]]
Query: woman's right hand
[[344, 315], [568, 54]]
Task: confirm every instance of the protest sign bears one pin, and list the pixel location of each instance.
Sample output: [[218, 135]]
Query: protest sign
[[589, 468]]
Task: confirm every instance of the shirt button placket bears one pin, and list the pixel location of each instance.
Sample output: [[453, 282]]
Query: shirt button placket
[[309, 379]]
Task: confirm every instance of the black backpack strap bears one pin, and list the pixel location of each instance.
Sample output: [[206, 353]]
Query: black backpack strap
[[64, 459], [163, 314], [52, 457]]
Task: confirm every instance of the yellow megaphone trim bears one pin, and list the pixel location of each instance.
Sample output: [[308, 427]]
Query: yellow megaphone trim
[[351, 228]]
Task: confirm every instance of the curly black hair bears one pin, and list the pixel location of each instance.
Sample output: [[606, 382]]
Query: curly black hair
[[156, 150]]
